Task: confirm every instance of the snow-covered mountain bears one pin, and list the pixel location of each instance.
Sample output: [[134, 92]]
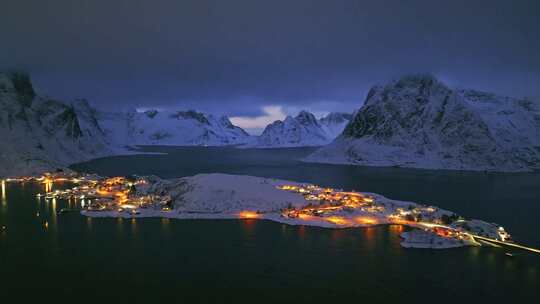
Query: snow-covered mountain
[[38, 134], [419, 122], [303, 130], [334, 123], [171, 128]]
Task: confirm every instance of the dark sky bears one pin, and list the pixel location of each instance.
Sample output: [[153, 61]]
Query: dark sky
[[236, 56]]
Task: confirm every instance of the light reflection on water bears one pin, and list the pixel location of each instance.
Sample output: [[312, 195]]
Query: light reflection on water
[[133, 224], [89, 223], [396, 228], [357, 259], [165, 226], [3, 190], [120, 226], [337, 234], [48, 186], [53, 210], [301, 232], [248, 225], [533, 272], [4, 201]]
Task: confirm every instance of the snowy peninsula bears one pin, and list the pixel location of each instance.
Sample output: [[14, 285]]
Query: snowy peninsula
[[223, 196]]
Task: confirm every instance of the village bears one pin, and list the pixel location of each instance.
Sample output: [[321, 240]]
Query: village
[[330, 203], [95, 193], [325, 207], [351, 209]]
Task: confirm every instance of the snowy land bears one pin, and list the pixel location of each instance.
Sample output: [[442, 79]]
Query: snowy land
[[419, 122], [222, 196]]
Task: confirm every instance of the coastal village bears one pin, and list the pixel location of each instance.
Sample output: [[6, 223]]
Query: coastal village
[[96, 193], [349, 209], [326, 207]]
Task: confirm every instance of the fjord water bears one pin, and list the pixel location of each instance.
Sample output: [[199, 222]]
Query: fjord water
[[70, 255]]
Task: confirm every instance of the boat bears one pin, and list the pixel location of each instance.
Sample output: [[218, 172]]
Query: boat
[[66, 210]]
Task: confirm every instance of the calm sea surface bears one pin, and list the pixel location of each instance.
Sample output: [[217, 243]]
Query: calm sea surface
[[67, 256]]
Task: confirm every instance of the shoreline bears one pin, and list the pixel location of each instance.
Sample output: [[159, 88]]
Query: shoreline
[[408, 238], [224, 196]]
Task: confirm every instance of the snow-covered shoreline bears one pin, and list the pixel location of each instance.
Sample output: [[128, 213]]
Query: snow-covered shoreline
[[222, 196], [390, 157], [418, 239], [424, 240], [274, 217]]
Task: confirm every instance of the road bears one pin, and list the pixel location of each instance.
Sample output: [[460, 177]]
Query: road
[[431, 225]]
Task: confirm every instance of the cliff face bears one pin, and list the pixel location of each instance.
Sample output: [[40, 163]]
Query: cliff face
[[419, 122], [38, 134], [41, 134]]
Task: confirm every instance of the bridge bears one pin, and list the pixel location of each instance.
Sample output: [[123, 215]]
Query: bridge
[[483, 238], [504, 243]]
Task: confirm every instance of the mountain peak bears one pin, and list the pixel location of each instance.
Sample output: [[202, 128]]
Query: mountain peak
[[411, 81], [417, 121], [191, 114], [424, 88], [306, 118], [151, 113], [20, 84], [303, 130], [82, 104], [288, 119], [423, 78]]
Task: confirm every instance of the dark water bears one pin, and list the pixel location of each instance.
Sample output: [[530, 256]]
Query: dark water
[[260, 261]]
